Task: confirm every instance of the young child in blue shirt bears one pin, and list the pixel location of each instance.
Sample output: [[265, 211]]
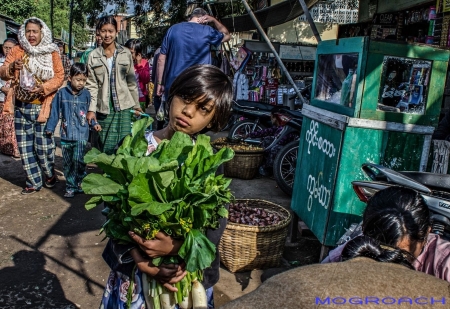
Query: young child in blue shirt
[[71, 104]]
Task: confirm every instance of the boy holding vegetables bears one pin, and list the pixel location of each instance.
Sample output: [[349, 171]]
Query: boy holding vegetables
[[199, 99]]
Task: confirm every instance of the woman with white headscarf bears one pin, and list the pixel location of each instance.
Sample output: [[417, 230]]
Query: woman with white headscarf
[[36, 73]]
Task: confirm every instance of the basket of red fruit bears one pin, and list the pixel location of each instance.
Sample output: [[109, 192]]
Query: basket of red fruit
[[255, 235]]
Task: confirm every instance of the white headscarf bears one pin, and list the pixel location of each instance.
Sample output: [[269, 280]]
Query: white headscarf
[[40, 56]]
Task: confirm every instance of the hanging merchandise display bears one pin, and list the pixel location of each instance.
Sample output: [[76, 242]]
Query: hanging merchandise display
[[240, 83], [265, 83]]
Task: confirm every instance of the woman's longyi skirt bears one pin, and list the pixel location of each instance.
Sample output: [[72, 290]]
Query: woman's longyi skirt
[[115, 126]]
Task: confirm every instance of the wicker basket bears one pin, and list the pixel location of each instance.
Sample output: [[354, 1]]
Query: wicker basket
[[244, 247], [244, 165]]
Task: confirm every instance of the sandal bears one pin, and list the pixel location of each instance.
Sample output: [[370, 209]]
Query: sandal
[[50, 182], [27, 191], [69, 194]]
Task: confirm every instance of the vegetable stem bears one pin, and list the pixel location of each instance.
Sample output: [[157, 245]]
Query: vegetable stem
[[179, 292]]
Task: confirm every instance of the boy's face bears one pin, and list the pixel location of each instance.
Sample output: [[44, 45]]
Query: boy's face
[[78, 81], [189, 117]]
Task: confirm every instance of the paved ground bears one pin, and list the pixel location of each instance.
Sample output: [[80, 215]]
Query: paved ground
[[50, 253]]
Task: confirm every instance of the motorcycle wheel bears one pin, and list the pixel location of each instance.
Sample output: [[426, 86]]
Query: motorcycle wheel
[[241, 128], [284, 167]]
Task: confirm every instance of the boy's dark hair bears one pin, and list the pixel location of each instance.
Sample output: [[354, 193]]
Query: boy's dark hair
[[134, 44], [60, 44], [205, 83], [79, 68], [106, 20]]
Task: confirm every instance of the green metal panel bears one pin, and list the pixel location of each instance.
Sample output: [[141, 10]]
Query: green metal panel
[[337, 225], [359, 146], [403, 151], [377, 51], [345, 46], [396, 150], [371, 55], [315, 174], [419, 51]]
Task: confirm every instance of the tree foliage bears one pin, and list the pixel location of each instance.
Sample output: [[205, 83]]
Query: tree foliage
[[17, 9], [61, 13]]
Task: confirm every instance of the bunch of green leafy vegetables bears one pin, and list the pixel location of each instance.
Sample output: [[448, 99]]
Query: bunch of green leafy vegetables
[[175, 189]]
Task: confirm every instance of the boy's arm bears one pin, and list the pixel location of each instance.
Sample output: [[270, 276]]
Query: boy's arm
[[54, 114]]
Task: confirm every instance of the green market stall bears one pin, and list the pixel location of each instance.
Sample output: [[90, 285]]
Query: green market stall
[[372, 101]]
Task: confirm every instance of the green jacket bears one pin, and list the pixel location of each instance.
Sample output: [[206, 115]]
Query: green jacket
[[98, 82], [85, 55]]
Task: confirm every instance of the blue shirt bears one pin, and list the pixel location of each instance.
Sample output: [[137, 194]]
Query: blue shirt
[[187, 44], [72, 109]]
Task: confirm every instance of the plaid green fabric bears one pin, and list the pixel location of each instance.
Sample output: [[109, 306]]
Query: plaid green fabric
[[37, 149], [74, 167], [115, 126], [112, 80]]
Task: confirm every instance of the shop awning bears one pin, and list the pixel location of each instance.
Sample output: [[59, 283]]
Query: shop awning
[[268, 17]]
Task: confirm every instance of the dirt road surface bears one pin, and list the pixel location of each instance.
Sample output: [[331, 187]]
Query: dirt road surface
[[50, 250]]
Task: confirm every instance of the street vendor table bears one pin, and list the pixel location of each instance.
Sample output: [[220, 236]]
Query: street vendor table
[[371, 102]]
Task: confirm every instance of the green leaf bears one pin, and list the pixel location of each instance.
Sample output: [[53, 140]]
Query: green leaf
[[110, 164], [91, 155], [110, 198], [125, 148], [164, 179], [129, 165], [93, 202], [153, 208], [197, 251], [96, 184], [138, 143], [223, 212], [140, 190], [205, 141], [177, 148], [140, 126]]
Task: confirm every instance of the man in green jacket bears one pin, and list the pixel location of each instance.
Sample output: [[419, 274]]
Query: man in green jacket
[[98, 42]]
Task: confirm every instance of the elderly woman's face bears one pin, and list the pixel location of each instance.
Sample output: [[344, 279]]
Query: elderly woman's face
[[7, 46], [33, 34]]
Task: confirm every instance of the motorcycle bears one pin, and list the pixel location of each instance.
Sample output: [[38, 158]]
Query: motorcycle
[[248, 117], [434, 188], [286, 159]]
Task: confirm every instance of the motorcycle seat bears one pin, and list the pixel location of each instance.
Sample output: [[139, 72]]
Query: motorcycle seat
[[432, 180], [243, 104]]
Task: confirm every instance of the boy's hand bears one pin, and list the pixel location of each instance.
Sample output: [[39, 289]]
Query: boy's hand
[[167, 274], [91, 118], [161, 245], [97, 127], [49, 133], [138, 112]]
